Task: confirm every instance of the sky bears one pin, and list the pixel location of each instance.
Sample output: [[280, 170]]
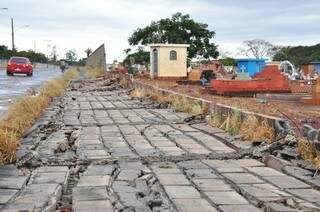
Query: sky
[[82, 24]]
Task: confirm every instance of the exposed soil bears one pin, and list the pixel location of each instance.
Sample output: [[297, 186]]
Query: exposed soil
[[296, 112]]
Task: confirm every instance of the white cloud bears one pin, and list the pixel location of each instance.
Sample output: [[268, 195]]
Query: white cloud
[[81, 24]]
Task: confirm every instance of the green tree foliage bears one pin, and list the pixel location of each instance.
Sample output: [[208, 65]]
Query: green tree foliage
[[139, 57], [6, 53], [180, 29], [228, 61], [299, 55], [71, 56], [88, 52]]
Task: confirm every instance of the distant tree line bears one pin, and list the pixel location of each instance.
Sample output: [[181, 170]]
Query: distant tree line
[[6, 53], [299, 55]]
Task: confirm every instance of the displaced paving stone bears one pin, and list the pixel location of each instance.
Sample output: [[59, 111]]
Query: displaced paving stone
[[13, 182], [52, 177], [48, 169], [310, 195], [38, 196], [6, 195], [173, 179], [247, 162], [274, 207], [89, 193], [99, 170], [264, 171], [94, 205], [227, 198], [239, 208], [191, 205], [182, 192], [212, 185], [201, 173], [8, 170], [286, 182], [91, 181], [242, 178]]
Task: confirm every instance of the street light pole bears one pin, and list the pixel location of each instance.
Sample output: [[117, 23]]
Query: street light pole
[[48, 45], [12, 35]]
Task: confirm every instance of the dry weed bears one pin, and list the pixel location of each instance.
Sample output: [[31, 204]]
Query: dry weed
[[307, 150], [252, 129], [93, 72], [183, 104]]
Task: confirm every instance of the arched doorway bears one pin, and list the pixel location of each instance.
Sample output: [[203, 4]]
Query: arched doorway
[[155, 62]]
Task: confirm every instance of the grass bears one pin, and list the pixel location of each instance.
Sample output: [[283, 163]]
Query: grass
[[177, 102], [23, 112], [308, 152], [253, 129], [93, 72], [233, 122], [184, 104]]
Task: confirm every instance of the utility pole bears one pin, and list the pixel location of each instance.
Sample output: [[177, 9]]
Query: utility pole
[[48, 45], [12, 35]]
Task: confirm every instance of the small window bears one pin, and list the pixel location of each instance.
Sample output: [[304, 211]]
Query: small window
[[173, 55]]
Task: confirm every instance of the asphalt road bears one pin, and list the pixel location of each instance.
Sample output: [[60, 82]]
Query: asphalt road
[[17, 85]]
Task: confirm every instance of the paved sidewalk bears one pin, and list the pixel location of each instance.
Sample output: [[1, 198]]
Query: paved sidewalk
[[102, 150]]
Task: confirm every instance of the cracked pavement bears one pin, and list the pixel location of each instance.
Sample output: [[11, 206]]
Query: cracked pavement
[[101, 150]]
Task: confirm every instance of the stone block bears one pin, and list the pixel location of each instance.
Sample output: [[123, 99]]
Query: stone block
[[13, 182], [46, 178], [6, 195], [93, 170], [49, 169], [239, 208], [286, 182], [192, 205], [227, 198], [201, 173], [173, 179], [94, 205], [89, 193], [309, 195], [8, 170], [242, 178], [91, 181], [265, 171], [212, 185], [248, 162], [182, 192]]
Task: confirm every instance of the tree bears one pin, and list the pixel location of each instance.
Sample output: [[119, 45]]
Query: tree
[[53, 54], [139, 57], [258, 48], [228, 61], [88, 51], [298, 55], [71, 55], [127, 51], [180, 29]]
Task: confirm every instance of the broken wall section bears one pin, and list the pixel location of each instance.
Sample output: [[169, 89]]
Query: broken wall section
[[97, 59]]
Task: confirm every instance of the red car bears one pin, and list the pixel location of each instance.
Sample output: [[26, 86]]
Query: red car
[[19, 65]]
